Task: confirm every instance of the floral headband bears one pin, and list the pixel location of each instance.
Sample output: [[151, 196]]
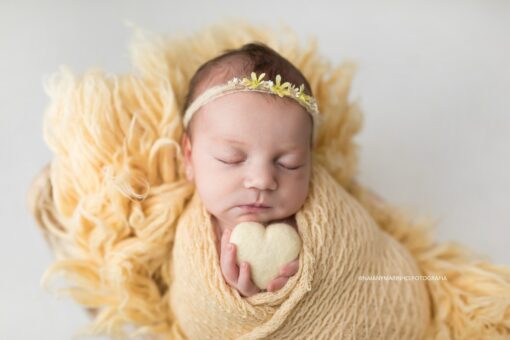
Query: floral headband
[[258, 85]]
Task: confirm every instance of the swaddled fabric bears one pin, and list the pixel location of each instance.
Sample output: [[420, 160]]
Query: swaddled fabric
[[326, 299]]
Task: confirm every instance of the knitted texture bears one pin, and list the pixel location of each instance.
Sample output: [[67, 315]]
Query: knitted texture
[[324, 300]]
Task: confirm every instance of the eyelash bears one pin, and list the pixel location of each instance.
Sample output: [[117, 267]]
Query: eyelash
[[234, 163]]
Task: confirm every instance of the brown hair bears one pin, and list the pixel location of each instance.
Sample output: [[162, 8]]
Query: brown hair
[[252, 57]]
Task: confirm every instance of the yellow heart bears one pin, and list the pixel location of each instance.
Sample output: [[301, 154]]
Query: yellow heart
[[266, 249]]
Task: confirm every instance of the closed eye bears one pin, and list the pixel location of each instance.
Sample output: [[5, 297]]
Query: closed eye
[[280, 164], [289, 168], [227, 162]]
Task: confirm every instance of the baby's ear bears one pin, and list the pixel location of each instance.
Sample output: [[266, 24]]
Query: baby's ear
[[185, 146], [186, 151]]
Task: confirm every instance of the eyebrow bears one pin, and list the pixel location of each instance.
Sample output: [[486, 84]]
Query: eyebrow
[[233, 141], [229, 140]]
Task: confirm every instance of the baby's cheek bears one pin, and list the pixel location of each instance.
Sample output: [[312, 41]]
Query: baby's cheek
[[295, 196], [215, 191]]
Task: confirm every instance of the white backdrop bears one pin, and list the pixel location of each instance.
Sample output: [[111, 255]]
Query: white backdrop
[[433, 82]]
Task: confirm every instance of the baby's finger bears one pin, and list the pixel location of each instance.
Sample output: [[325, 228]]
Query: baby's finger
[[226, 257], [290, 268], [244, 284], [225, 238], [229, 265], [277, 283]]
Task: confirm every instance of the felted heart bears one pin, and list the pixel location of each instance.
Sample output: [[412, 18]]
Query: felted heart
[[266, 249]]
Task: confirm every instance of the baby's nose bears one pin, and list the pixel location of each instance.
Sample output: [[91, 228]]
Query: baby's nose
[[262, 179]]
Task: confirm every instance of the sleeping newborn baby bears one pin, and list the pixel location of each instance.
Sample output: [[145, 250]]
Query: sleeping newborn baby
[[248, 152]]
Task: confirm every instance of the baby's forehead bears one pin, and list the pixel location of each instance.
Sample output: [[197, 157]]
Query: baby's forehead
[[228, 142], [246, 138], [251, 110]]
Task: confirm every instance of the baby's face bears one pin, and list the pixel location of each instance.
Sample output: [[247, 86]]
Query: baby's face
[[247, 149]]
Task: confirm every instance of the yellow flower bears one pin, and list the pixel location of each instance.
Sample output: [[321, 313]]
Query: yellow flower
[[280, 89], [254, 82], [302, 96]]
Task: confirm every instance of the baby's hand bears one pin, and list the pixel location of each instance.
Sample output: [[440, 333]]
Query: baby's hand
[[239, 279], [286, 272]]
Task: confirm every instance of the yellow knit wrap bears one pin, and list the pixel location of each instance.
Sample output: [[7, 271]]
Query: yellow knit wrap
[[324, 300], [114, 205]]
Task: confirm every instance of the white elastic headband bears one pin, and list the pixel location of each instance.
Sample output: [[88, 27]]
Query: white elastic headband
[[258, 85]]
